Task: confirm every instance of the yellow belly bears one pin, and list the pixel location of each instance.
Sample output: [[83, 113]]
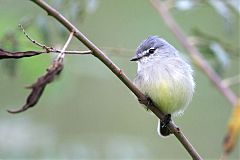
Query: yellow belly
[[169, 83], [171, 98]]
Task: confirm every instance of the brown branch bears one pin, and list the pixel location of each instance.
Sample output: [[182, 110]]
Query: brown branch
[[119, 73], [7, 55], [16, 55], [162, 9]]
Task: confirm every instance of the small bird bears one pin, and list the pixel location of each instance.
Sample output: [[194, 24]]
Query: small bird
[[164, 77]]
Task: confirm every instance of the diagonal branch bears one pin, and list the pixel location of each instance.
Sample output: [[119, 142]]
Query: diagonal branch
[[119, 73], [162, 9]]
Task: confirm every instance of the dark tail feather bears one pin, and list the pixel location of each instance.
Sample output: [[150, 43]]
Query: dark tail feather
[[163, 129]]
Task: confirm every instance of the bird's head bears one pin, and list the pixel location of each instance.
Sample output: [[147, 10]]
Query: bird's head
[[153, 47]]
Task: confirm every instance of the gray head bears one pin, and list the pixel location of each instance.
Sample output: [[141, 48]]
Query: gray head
[[152, 47]]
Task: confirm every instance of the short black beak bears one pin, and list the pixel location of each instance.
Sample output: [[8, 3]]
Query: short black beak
[[135, 58]]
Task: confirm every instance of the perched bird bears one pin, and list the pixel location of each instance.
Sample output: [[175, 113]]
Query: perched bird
[[164, 77]]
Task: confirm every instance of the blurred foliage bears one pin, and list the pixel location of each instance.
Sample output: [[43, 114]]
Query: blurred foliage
[[233, 129], [9, 42], [212, 46], [74, 10]]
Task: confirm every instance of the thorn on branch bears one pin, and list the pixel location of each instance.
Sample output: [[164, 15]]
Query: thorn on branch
[[38, 87], [120, 72]]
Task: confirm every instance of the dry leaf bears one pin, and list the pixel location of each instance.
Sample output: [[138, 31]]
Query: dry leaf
[[6, 54], [233, 129], [39, 86]]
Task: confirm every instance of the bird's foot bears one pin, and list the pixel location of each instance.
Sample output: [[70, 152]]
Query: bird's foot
[[147, 102], [166, 120], [163, 125]]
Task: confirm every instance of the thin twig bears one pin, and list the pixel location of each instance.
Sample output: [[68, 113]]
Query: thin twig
[[75, 52], [162, 9], [118, 72], [231, 80], [62, 54], [51, 49], [29, 38]]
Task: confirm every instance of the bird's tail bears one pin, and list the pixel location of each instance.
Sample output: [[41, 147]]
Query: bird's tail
[[162, 129]]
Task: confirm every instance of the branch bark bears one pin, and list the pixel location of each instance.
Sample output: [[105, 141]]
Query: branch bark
[[162, 9], [118, 72]]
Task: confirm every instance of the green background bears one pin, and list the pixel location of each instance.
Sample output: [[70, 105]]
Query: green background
[[87, 113]]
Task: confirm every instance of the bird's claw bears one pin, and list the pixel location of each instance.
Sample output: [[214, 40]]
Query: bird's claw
[[164, 130], [147, 102], [166, 120]]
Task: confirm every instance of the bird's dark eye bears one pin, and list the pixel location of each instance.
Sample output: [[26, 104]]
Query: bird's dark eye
[[151, 50]]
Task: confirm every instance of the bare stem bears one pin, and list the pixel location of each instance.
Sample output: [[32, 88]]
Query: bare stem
[[162, 9], [29, 38], [62, 54], [51, 49], [232, 80], [118, 72], [75, 52]]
